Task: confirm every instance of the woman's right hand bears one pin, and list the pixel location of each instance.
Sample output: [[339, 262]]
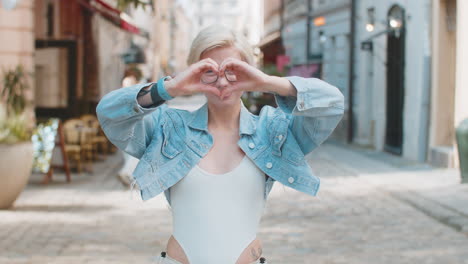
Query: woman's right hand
[[188, 82]]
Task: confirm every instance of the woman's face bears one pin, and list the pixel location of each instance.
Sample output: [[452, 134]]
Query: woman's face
[[219, 55]]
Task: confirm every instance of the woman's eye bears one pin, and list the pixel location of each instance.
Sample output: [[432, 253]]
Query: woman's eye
[[230, 76], [210, 72]]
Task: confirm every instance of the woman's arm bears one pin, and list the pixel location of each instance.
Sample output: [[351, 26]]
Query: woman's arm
[[278, 85], [313, 106], [128, 117]]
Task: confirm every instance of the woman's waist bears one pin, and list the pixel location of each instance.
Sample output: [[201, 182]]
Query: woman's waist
[[220, 214], [216, 226]]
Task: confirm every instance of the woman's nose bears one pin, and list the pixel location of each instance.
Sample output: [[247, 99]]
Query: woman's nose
[[222, 82]]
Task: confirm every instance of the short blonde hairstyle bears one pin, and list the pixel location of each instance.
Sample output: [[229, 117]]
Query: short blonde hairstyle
[[216, 36]]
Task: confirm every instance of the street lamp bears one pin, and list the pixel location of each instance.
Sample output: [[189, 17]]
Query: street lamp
[[394, 23], [395, 20], [394, 26], [370, 25]]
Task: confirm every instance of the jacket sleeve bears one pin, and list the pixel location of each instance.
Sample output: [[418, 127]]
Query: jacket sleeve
[[127, 124], [314, 113]]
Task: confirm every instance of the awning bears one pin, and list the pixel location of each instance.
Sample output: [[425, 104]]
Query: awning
[[113, 15], [268, 39]]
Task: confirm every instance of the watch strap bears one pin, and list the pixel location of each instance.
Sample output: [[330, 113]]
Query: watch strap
[[162, 90]]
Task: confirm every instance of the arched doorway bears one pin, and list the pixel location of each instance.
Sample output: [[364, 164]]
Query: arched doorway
[[395, 80]]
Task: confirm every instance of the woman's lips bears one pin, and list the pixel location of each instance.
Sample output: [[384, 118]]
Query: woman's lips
[[226, 96]]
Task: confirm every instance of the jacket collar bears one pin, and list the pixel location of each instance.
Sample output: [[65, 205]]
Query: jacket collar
[[199, 120]]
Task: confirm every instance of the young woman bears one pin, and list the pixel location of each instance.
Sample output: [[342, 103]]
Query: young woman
[[217, 165]]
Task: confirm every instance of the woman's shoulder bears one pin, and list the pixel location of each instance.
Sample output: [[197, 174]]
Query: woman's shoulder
[[269, 112], [271, 119], [175, 114]]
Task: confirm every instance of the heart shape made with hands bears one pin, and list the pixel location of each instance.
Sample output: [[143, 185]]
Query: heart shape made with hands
[[239, 75]]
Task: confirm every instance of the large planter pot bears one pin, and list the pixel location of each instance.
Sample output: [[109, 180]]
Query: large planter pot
[[462, 142], [15, 168]]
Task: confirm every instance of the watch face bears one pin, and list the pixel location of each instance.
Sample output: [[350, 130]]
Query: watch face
[[9, 4]]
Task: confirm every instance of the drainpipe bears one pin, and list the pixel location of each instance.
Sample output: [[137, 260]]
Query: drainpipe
[[308, 33], [281, 17], [351, 71]]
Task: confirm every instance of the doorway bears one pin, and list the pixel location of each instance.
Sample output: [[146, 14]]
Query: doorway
[[395, 80], [61, 56]]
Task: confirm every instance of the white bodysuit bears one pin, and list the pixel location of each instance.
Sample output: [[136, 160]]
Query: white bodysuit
[[216, 216]]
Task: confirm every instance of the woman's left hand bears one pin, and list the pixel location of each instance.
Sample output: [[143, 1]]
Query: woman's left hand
[[248, 78]]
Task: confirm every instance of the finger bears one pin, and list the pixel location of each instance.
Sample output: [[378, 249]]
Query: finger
[[231, 64], [204, 64], [210, 89], [228, 90], [229, 60], [223, 65], [211, 61], [202, 67], [224, 93], [201, 63]]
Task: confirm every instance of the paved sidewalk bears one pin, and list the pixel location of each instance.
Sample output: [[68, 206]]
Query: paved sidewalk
[[94, 219], [369, 211], [372, 208], [435, 191]]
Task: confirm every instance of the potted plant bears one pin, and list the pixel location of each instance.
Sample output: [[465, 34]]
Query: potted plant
[[123, 4], [16, 149]]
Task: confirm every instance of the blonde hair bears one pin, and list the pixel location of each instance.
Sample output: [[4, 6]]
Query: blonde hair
[[219, 36]]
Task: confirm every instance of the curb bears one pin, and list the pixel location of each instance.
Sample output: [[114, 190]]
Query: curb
[[443, 214]]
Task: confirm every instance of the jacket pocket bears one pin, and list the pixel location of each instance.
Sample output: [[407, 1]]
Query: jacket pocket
[[283, 144], [172, 143], [278, 134], [292, 153]]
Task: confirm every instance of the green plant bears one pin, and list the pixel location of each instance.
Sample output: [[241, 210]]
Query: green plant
[[123, 4], [13, 122], [271, 69]]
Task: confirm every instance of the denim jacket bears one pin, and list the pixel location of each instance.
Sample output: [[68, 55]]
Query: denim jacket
[[170, 142]]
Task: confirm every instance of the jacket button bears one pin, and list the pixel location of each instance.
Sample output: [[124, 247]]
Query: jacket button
[[136, 109], [269, 165], [290, 179], [280, 137], [251, 145]]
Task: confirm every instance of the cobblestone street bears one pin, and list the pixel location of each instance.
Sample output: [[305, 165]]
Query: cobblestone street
[[372, 208]]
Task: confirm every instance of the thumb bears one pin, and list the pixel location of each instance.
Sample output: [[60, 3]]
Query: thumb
[[210, 89]]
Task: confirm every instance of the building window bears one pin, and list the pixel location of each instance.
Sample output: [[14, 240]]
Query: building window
[[50, 19], [451, 15], [322, 40]]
